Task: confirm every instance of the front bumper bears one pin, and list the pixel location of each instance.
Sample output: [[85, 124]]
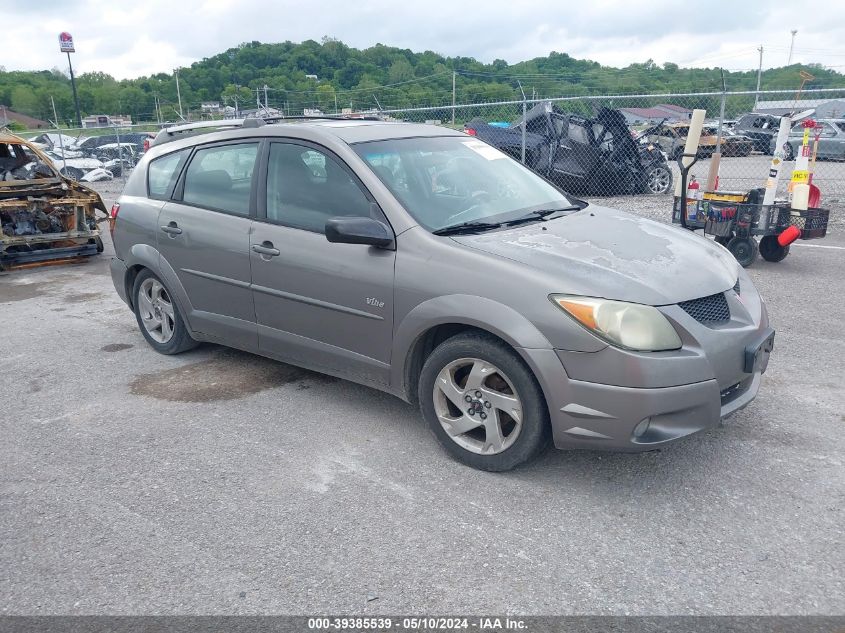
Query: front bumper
[[630, 419], [628, 401]]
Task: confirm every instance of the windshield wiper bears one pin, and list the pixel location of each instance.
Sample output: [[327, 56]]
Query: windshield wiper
[[540, 215], [467, 227]]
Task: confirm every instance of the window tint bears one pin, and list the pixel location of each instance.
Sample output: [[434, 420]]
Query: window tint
[[305, 187], [841, 125], [221, 178], [162, 172]]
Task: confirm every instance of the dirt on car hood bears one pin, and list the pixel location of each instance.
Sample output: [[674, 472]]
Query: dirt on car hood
[[601, 252]]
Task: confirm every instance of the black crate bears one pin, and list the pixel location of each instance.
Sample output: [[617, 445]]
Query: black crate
[[693, 209], [812, 222]]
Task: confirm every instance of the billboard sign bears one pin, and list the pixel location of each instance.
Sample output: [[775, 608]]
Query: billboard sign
[[66, 43]]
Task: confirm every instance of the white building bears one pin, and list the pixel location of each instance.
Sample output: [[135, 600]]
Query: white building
[[821, 108]]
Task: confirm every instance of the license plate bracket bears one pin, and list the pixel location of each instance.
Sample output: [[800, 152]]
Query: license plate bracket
[[757, 354]]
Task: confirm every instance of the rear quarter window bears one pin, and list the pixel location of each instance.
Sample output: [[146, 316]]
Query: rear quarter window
[[162, 173]]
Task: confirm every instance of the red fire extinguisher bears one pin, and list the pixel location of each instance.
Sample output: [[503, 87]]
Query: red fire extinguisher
[[692, 198]]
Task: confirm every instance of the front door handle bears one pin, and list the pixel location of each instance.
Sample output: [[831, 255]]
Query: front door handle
[[171, 228], [266, 248]]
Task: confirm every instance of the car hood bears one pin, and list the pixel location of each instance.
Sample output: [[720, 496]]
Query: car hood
[[602, 252]]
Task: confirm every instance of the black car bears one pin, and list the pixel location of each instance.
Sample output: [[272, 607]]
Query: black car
[[760, 128], [591, 156]]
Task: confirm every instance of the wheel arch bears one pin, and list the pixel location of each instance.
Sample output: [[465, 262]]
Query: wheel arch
[[436, 320], [146, 257]]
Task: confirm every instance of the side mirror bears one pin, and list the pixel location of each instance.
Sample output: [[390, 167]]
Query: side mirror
[[359, 230]]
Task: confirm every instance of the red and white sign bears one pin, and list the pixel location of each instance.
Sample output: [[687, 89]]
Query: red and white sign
[[66, 43]]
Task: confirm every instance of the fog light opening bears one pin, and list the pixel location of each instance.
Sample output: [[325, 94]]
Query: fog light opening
[[642, 428]]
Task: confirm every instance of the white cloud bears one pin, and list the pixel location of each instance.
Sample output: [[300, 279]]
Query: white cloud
[[158, 35]]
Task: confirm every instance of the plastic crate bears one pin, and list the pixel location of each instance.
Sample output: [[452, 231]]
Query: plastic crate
[[812, 222]]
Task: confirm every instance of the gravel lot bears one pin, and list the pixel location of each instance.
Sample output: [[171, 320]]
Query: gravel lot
[[218, 482]]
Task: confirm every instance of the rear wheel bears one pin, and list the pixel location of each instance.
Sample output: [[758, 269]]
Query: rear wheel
[[158, 315], [744, 249], [482, 403], [771, 251]]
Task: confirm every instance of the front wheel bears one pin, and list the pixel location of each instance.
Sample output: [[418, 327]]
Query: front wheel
[[658, 179], [483, 403], [744, 249], [771, 251], [158, 315]]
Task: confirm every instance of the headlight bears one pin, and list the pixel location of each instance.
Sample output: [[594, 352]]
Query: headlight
[[629, 325]]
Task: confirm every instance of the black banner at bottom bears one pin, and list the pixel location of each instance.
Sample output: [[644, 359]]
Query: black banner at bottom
[[410, 623]]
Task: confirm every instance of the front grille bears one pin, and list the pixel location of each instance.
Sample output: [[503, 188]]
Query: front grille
[[708, 310]]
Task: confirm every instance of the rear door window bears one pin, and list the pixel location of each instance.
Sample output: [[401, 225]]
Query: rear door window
[[220, 178], [162, 174]]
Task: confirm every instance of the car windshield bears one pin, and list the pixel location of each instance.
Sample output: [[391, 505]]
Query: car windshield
[[447, 180]]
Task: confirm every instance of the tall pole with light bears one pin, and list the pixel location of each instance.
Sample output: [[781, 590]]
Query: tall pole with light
[[66, 46]]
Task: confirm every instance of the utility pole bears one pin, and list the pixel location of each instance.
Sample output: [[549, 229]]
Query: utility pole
[[759, 77], [178, 93], [791, 46], [454, 74], [266, 103], [75, 97]]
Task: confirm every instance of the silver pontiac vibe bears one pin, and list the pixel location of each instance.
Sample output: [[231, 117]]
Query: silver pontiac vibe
[[422, 262]]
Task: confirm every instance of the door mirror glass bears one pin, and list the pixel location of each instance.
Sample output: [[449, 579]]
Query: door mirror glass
[[359, 230]]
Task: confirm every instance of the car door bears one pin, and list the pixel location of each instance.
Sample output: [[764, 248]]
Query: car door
[[829, 145], [204, 240], [319, 304], [577, 154]]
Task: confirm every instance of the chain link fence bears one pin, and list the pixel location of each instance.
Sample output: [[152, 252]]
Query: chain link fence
[[93, 154], [622, 147], [627, 146]]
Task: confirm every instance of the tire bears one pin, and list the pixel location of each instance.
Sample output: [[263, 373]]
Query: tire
[[744, 249], [71, 172], [171, 335], [771, 251], [724, 241], [494, 441], [658, 180]]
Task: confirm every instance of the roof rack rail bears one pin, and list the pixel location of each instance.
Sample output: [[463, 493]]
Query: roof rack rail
[[169, 133], [319, 117]]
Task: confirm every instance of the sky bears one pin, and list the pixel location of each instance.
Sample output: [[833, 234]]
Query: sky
[[157, 35]]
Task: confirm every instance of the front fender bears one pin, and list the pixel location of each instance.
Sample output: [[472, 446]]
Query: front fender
[[485, 314]]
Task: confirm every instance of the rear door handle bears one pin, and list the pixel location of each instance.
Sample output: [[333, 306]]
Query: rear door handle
[[266, 248], [172, 228]]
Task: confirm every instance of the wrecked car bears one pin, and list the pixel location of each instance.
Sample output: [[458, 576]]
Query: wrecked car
[[592, 156], [44, 216], [673, 137]]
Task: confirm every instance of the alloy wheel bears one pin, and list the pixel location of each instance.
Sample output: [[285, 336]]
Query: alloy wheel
[[478, 406], [659, 180], [156, 310]]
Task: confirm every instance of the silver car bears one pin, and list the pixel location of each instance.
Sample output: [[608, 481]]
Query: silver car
[[425, 263], [831, 133]]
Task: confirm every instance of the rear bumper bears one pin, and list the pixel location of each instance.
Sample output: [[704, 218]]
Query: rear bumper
[[118, 276]]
